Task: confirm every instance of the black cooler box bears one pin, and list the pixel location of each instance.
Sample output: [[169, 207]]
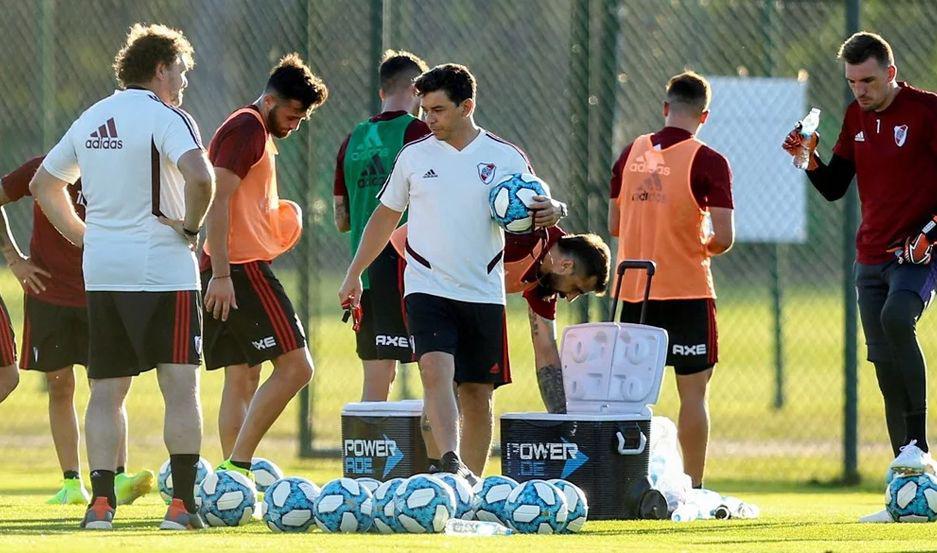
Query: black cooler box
[[382, 440]]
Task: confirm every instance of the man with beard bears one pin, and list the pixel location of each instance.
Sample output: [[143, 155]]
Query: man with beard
[[249, 319]]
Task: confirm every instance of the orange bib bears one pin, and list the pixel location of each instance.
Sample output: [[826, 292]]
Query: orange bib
[[661, 220], [261, 226]]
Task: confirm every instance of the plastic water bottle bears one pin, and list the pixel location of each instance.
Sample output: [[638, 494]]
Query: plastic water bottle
[[687, 512], [459, 527], [806, 127]]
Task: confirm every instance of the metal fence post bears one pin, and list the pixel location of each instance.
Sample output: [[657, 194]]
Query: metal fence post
[[579, 113]]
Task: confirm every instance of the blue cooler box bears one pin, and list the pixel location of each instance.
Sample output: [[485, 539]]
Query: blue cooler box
[[612, 372], [382, 439]]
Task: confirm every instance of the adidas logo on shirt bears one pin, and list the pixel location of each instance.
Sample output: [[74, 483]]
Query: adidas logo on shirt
[[105, 138], [430, 174], [860, 137]]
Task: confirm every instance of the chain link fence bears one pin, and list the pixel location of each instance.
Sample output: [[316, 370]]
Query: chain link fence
[[571, 82]]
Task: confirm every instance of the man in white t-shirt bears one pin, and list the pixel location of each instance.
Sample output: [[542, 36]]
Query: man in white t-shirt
[[454, 279], [147, 183]]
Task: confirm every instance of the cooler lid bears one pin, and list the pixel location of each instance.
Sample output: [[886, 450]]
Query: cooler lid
[[612, 367], [645, 415], [404, 408]]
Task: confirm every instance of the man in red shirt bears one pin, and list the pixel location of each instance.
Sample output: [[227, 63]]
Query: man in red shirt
[[665, 186], [888, 142], [55, 333], [248, 317]]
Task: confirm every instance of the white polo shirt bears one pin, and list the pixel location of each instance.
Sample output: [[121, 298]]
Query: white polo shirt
[[125, 149], [454, 247]]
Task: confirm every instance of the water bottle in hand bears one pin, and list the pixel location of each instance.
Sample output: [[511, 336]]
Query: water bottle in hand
[[806, 127]]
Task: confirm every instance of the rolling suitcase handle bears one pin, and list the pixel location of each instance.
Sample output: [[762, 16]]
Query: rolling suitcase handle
[[649, 267]]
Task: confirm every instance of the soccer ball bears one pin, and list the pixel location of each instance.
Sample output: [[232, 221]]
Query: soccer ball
[[465, 500], [912, 498], [288, 505], [344, 505], [424, 503], [265, 473], [537, 507], [492, 492], [370, 483], [385, 508], [226, 498], [576, 504], [164, 478], [510, 198]]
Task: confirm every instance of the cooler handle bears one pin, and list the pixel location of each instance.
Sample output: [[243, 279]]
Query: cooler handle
[[622, 450], [650, 267]]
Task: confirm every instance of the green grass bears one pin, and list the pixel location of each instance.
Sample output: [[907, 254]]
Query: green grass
[[794, 518]]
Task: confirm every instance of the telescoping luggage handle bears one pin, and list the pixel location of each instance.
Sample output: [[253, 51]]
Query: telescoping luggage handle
[[649, 267]]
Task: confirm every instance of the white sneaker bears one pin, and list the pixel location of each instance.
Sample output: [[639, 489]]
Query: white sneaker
[[879, 516], [913, 460]]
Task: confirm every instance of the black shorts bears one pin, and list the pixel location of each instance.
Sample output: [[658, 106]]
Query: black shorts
[[54, 336], [874, 283], [693, 344], [262, 328], [383, 333], [474, 333], [133, 332], [7, 340]]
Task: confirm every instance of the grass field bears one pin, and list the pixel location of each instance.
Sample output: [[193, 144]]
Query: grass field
[[795, 518]]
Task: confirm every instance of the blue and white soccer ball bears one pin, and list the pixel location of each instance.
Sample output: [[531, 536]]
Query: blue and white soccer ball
[[537, 507], [509, 200], [912, 498], [370, 483], [164, 478], [424, 503], [465, 500], [265, 473], [226, 498], [385, 507], [344, 505], [576, 504], [491, 494], [288, 505]]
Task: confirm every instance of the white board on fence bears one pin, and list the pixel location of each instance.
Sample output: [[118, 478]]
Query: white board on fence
[[749, 118]]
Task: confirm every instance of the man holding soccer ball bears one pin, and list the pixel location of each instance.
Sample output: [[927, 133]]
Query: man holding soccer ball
[[454, 279]]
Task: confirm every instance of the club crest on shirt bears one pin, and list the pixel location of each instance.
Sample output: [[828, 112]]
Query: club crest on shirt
[[901, 134], [486, 172]]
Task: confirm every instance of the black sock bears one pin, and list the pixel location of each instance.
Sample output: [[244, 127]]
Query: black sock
[[183, 468], [246, 465], [698, 486], [120, 470], [102, 485], [916, 424], [70, 474]]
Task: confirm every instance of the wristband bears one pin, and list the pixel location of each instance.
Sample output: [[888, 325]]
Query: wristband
[[213, 277], [189, 232]]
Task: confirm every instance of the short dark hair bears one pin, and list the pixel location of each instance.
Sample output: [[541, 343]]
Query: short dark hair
[[592, 257], [146, 47], [862, 46], [689, 90], [398, 69], [291, 79], [456, 80]]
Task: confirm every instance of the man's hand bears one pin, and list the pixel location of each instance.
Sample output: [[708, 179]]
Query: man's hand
[[219, 297], [794, 144], [917, 249], [179, 226], [547, 211], [28, 275], [349, 295]]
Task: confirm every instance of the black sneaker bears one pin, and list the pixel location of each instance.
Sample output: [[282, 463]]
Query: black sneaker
[[451, 463]]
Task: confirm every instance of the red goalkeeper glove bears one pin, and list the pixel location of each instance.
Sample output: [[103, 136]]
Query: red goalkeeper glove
[[354, 312], [917, 249]]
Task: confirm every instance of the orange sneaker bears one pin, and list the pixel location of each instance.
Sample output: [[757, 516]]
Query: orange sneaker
[[99, 516], [178, 518]]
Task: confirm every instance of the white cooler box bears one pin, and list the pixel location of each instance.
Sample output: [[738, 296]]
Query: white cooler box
[[611, 374], [382, 439]]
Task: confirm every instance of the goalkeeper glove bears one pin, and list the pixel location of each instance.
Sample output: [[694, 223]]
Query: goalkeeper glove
[[917, 249]]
